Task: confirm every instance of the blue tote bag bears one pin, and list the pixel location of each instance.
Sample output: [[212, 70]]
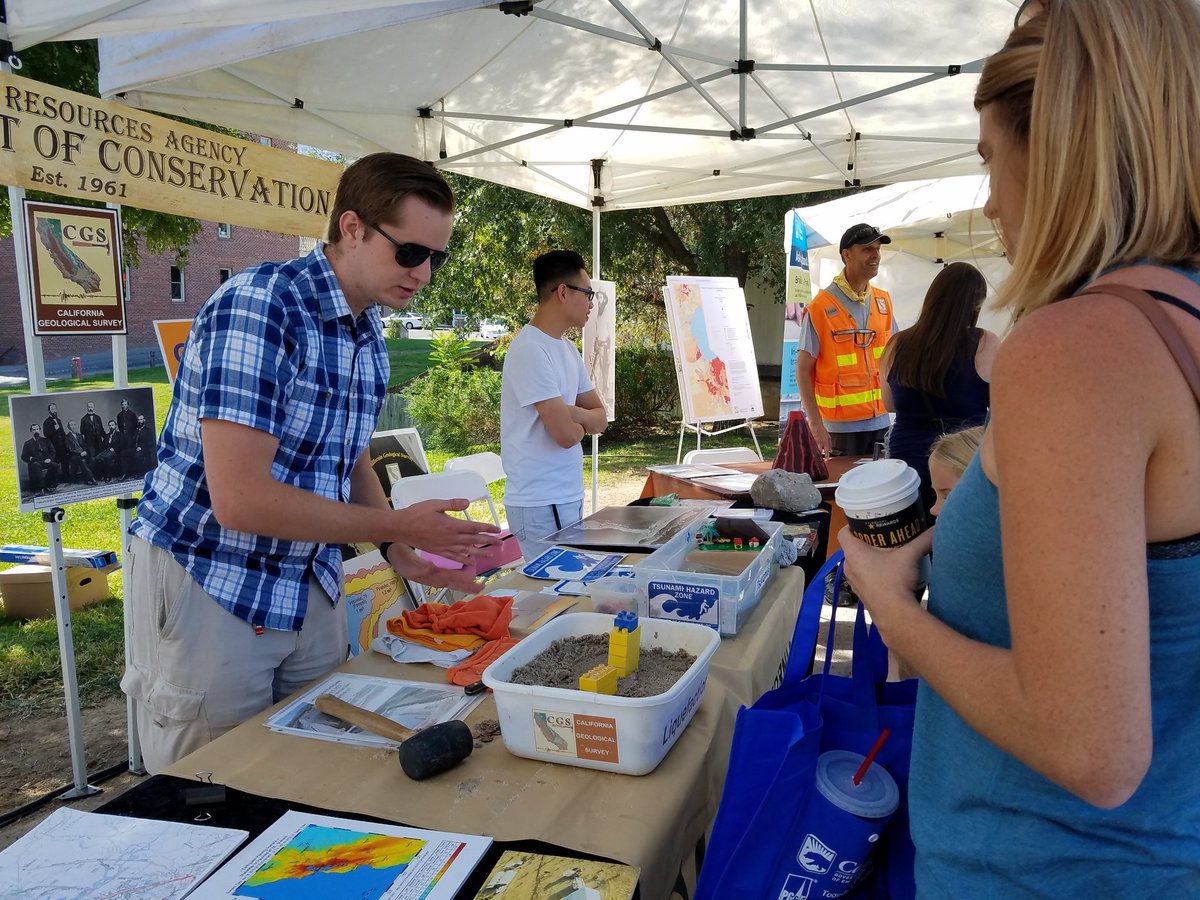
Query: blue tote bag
[[761, 821]]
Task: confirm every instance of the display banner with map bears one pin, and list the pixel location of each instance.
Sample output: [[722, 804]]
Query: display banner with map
[[713, 348], [75, 266], [798, 293]]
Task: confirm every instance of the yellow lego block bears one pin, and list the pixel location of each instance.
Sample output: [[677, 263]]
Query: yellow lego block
[[624, 650], [599, 680]]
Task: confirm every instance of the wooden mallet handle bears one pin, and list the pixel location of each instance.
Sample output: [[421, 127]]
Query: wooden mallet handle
[[363, 718]]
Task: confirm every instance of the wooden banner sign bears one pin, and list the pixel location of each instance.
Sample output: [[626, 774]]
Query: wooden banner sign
[[71, 144]]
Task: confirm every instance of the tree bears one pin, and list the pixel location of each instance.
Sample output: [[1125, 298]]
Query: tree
[[499, 230], [75, 65]]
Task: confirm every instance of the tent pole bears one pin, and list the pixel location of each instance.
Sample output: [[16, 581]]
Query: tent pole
[[596, 277]]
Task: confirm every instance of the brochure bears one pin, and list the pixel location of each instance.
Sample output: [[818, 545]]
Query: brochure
[[413, 704], [303, 854], [560, 563]]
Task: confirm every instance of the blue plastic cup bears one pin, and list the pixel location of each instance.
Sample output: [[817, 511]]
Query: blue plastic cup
[[831, 842]]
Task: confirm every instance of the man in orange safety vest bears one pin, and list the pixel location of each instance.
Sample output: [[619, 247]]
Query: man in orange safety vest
[[845, 329]]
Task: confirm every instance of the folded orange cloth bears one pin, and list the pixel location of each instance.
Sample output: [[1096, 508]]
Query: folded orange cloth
[[470, 670], [433, 639], [487, 617]]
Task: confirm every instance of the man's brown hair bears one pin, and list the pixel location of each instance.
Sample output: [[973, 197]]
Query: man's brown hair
[[374, 185]]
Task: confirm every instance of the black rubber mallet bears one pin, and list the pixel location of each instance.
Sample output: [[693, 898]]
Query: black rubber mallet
[[423, 753]]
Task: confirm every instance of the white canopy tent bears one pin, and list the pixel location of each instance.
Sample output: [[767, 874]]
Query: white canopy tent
[[601, 103], [930, 222]]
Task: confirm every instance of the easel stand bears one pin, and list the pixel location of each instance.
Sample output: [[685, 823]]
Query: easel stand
[[698, 427], [66, 652]]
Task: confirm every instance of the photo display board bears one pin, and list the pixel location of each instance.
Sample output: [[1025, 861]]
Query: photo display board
[[713, 349], [73, 446]]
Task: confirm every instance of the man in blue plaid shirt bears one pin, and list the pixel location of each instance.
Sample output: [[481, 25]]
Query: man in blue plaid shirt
[[264, 469]]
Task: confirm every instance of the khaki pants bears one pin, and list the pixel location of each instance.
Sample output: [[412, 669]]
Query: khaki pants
[[197, 670]]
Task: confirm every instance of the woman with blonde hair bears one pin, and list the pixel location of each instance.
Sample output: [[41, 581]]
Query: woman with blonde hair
[[1056, 723]]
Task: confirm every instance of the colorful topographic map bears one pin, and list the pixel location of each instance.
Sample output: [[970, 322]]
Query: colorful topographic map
[[322, 862]]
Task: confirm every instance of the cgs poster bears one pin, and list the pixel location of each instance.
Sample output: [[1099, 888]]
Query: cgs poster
[[74, 259]]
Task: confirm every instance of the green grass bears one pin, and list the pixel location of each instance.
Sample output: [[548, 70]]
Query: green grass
[[30, 673]]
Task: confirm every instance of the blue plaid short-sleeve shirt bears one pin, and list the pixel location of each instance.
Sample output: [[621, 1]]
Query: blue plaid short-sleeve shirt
[[276, 349]]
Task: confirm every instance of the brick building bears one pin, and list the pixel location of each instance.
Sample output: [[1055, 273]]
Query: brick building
[[157, 289]]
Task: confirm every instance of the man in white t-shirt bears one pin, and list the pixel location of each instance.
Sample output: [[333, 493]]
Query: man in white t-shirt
[[547, 405]]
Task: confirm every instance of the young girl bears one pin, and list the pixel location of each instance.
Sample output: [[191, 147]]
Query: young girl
[[948, 459]]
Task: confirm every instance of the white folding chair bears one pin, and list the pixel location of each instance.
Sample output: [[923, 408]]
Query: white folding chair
[[721, 455], [487, 465], [446, 486]]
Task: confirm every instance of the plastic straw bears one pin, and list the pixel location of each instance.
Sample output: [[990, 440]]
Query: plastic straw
[[862, 770]]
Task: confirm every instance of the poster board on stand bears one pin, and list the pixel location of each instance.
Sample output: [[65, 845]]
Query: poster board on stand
[[74, 260], [113, 447], [600, 344], [713, 349]]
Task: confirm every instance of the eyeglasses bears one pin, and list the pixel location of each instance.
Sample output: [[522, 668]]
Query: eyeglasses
[[409, 256], [591, 293]]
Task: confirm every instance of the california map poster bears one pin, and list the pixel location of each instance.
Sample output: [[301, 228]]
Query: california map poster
[[714, 351], [312, 857], [74, 256]]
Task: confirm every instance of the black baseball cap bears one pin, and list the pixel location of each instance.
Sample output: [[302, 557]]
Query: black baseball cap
[[862, 233]]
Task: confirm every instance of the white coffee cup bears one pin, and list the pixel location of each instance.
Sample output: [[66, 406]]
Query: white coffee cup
[[882, 502]]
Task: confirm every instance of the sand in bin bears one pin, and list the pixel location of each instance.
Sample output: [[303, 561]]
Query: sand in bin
[[561, 664]]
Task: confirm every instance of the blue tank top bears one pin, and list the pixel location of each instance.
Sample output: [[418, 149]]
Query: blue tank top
[[986, 825]]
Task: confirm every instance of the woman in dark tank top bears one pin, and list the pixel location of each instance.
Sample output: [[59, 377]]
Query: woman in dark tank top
[[935, 374]]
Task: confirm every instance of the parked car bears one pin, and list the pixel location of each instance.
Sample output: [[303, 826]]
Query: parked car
[[408, 320], [490, 329]]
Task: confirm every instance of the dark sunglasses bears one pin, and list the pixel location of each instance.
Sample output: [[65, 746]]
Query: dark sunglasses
[[591, 293], [409, 256]]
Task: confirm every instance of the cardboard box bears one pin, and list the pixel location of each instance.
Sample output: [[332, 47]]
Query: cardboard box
[[28, 592]]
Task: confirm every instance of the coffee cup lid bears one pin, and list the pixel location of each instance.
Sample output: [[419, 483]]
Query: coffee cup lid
[[877, 483]]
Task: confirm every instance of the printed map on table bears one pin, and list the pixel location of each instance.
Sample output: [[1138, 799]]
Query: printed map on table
[[312, 857], [713, 349], [72, 854]]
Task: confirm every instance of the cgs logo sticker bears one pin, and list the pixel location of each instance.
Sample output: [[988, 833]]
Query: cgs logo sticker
[[814, 856]]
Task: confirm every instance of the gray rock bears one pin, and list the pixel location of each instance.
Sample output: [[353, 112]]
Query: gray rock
[[788, 491]]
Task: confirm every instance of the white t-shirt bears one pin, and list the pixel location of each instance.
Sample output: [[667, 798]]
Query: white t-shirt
[[538, 367]]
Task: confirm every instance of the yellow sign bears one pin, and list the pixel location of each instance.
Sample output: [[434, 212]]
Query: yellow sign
[[66, 143], [75, 262], [172, 335]]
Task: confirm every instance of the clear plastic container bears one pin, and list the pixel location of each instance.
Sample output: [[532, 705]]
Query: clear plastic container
[[613, 594]]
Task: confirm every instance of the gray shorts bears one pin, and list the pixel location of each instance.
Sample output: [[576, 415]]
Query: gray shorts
[[197, 670]]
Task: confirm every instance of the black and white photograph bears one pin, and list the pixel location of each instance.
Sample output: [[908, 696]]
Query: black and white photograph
[[73, 446]]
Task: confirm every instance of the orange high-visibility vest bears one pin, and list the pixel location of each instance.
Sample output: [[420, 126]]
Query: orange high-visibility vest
[[846, 375]]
